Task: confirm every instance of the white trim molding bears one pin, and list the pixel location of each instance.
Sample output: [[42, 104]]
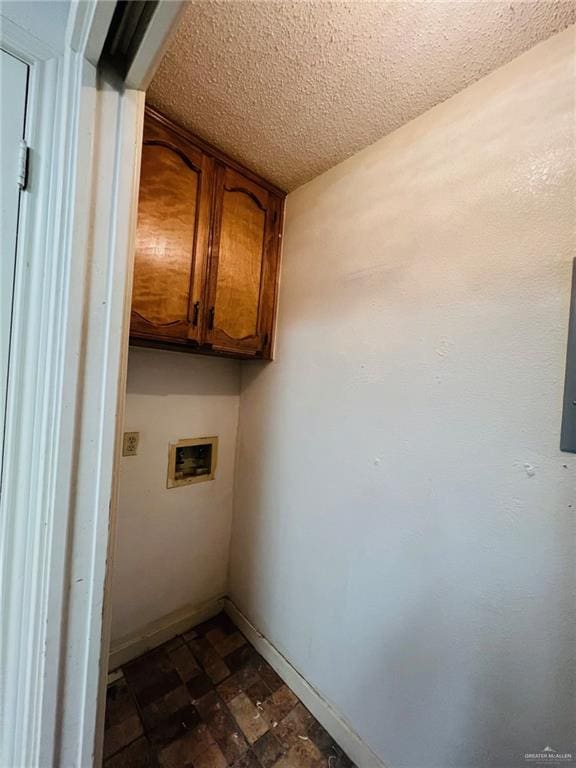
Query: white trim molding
[[65, 396], [154, 43], [27, 517], [61, 415], [341, 731], [66, 387], [94, 351]]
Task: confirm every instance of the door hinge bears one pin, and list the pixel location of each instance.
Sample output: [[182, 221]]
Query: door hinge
[[23, 155]]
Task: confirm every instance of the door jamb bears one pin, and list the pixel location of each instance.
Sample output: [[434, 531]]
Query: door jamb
[[65, 394]]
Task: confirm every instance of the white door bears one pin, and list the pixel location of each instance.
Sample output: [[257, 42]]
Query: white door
[[13, 83]]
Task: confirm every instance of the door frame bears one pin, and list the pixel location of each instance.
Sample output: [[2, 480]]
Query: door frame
[[66, 385]]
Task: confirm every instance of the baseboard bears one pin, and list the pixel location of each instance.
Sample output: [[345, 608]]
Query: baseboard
[[356, 749], [152, 635]]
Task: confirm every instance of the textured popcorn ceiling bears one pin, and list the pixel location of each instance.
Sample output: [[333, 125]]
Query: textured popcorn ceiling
[[292, 88]]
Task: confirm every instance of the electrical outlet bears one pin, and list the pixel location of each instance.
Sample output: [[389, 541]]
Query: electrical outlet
[[130, 443]]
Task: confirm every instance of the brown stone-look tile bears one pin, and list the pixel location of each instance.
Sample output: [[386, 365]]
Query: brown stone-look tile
[[302, 754], [268, 750], [122, 724], [295, 725], [212, 757], [170, 717], [139, 754], [237, 683], [215, 636], [209, 660], [151, 676], [148, 669], [225, 644], [278, 705], [159, 688], [320, 736], [247, 761], [240, 658], [203, 651], [265, 671], [120, 735], [222, 726], [218, 671], [175, 726], [337, 758], [120, 703], [199, 686], [154, 713], [204, 627], [258, 691], [184, 662], [198, 726], [196, 749], [251, 720]]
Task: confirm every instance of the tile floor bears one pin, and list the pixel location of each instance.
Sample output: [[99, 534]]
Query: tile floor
[[207, 699]]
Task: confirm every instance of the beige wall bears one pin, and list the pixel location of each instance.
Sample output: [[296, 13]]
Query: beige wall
[[172, 544], [403, 516]]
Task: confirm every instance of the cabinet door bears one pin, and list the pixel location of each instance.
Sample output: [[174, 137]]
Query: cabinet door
[[243, 265], [171, 237]]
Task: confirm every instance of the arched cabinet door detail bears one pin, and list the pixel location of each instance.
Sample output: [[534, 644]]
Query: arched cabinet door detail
[[171, 237], [242, 265], [206, 249]]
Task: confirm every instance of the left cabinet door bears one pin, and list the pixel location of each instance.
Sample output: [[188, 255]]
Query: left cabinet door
[[171, 237]]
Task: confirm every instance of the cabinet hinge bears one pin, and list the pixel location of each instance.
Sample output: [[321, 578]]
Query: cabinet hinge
[[23, 154]]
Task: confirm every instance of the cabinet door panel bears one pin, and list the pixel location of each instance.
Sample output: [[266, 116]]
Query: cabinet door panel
[[242, 229], [171, 237], [239, 264]]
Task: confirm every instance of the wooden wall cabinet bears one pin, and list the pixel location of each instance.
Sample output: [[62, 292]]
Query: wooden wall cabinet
[[207, 249]]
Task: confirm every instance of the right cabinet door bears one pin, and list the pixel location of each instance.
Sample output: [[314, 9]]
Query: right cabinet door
[[243, 266]]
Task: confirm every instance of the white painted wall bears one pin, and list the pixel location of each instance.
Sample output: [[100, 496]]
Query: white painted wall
[[404, 519], [172, 544]]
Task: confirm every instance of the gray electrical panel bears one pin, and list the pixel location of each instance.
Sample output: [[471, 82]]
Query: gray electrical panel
[[568, 434]]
